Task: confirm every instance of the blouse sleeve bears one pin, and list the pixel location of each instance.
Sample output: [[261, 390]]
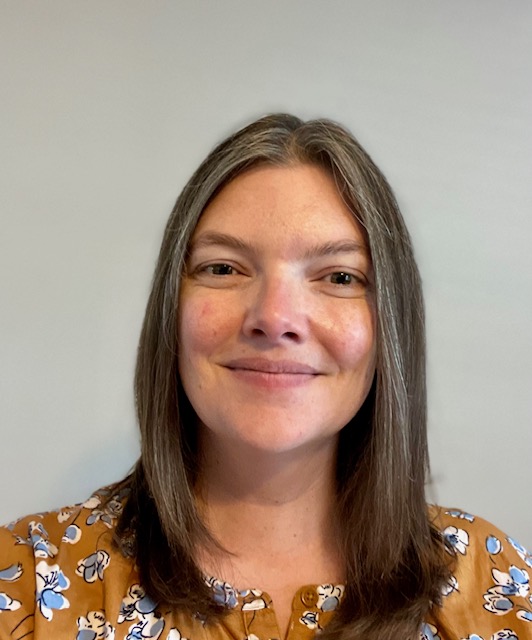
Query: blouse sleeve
[[36, 570], [488, 597], [52, 571], [17, 581]]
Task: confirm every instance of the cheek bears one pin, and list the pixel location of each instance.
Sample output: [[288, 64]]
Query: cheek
[[354, 342], [203, 326]]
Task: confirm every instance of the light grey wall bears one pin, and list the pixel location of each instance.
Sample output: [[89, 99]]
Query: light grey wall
[[108, 107]]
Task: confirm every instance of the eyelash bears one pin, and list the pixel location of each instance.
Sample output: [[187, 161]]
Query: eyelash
[[352, 279], [211, 269]]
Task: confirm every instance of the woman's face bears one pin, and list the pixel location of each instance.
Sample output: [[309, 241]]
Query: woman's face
[[277, 322]]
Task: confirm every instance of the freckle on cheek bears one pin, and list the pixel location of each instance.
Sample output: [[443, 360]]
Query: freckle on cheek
[[205, 310], [203, 322]]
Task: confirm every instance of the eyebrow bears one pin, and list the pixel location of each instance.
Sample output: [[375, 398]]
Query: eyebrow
[[215, 238], [333, 248]]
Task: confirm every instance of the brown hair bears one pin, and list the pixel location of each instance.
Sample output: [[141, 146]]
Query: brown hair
[[395, 560]]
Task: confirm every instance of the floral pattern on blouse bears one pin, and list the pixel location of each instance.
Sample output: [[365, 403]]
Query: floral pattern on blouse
[[61, 578]]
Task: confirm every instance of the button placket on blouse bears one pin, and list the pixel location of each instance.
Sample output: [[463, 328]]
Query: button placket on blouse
[[261, 624], [309, 597]]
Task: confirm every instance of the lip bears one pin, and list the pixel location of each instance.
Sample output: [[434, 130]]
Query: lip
[[265, 365], [271, 375]]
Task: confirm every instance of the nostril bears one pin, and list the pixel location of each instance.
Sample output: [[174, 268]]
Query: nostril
[[291, 335], [257, 332]]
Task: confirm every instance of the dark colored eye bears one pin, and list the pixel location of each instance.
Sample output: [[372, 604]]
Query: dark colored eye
[[220, 269], [340, 277]]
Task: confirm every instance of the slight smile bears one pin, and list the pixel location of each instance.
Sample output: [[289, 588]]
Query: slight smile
[[272, 373]]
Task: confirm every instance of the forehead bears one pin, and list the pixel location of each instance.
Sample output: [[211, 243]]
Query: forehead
[[293, 203]]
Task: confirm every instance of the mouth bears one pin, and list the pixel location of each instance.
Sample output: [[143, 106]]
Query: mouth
[[264, 365], [272, 374]]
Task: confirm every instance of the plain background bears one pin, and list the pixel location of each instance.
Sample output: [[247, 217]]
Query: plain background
[[107, 107]]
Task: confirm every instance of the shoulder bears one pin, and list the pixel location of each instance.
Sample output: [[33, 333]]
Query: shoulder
[[470, 534], [489, 591], [50, 560], [41, 534]]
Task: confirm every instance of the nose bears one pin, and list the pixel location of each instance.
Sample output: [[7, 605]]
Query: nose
[[276, 311]]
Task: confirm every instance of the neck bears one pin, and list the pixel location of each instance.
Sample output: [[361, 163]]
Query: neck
[[279, 503], [235, 472]]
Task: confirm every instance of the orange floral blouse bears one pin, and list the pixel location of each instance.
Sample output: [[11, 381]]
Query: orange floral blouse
[[61, 579]]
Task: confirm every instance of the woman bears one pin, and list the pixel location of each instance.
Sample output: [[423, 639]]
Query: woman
[[280, 390]]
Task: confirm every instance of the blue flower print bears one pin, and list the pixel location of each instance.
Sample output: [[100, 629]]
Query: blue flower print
[[523, 614], [38, 539], [128, 608], [493, 545], [497, 603], [310, 619], [94, 627], [64, 514], [514, 583], [223, 593], [92, 503], [72, 534], [110, 512], [457, 538], [136, 604], [11, 573], [503, 634], [450, 587], [329, 596], [456, 513], [92, 567], [7, 603], [253, 604], [97, 514], [499, 597], [521, 551], [135, 632], [429, 632], [50, 582], [149, 628]]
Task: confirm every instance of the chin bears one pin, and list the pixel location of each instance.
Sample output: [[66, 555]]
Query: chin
[[283, 440]]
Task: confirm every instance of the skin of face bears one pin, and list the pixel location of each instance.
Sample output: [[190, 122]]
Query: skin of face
[[276, 314]]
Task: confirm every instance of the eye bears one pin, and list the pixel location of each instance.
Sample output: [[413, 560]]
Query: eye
[[342, 278], [219, 269], [344, 284]]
